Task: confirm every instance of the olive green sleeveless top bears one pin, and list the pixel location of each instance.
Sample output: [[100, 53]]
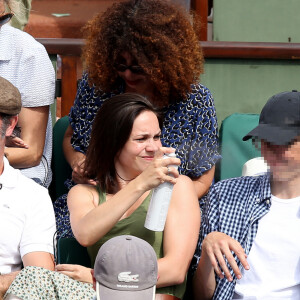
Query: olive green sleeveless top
[[134, 225]]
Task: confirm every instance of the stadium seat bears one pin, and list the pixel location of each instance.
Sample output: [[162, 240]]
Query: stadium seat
[[235, 152], [60, 167], [69, 251]]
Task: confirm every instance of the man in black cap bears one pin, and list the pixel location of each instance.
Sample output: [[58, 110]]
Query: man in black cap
[[249, 245], [27, 222]]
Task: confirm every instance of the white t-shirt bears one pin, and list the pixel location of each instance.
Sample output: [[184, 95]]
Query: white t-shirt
[[27, 222], [25, 63], [274, 258]]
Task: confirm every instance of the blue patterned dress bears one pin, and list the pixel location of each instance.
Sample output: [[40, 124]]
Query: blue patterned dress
[[190, 126]]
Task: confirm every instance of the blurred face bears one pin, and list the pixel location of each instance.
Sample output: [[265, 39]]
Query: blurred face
[[284, 161], [139, 150], [135, 80]]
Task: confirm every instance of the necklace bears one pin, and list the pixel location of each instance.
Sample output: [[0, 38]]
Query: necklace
[[123, 178]]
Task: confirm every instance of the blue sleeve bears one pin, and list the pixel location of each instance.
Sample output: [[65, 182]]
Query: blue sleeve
[[191, 127], [204, 141], [83, 112]]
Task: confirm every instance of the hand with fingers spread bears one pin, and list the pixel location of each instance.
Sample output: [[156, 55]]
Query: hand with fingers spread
[[217, 246], [76, 272], [160, 170]]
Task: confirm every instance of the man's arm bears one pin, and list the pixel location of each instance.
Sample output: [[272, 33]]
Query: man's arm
[[215, 247], [39, 259], [5, 282], [33, 123]]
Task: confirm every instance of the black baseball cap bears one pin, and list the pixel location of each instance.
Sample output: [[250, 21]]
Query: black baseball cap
[[279, 121]]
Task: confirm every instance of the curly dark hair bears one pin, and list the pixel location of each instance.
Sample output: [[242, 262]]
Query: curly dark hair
[[160, 38]]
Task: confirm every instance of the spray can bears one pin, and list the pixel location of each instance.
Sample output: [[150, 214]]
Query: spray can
[[159, 203]]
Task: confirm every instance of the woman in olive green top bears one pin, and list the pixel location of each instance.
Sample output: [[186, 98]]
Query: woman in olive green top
[[124, 158]]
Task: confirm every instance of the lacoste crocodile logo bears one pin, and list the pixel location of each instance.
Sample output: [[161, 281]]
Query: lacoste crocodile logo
[[126, 277]]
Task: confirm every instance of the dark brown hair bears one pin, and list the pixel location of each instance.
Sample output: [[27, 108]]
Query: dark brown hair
[[111, 129], [159, 36]]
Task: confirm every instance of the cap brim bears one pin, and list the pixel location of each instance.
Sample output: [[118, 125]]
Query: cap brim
[[273, 134], [104, 293]]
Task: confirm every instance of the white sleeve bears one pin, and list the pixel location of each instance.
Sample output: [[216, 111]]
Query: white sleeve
[[39, 227], [37, 83]]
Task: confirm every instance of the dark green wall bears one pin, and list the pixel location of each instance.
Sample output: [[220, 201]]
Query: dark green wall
[[244, 86]]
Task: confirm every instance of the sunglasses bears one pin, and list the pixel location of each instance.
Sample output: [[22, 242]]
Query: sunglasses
[[134, 69], [5, 18]]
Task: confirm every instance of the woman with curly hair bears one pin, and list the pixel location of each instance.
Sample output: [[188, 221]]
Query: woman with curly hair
[[148, 47]]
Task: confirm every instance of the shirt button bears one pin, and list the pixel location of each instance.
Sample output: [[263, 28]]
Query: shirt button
[[268, 201]]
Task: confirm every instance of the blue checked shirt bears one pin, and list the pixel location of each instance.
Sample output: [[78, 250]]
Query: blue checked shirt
[[234, 206]]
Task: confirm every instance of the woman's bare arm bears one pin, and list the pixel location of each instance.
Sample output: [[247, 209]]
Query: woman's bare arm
[[91, 221], [75, 159], [180, 234], [71, 155], [203, 183]]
